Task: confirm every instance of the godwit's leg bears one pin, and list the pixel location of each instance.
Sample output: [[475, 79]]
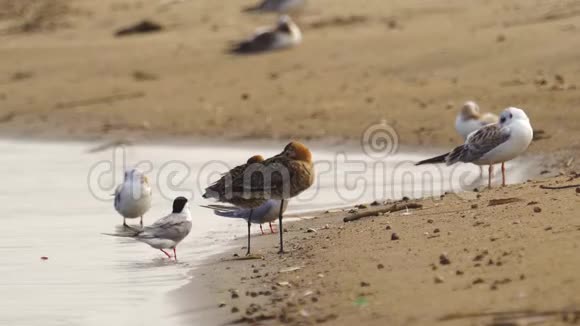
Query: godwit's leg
[[261, 230], [503, 174], [125, 222], [249, 224], [174, 253], [165, 252], [490, 172], [281, 228]]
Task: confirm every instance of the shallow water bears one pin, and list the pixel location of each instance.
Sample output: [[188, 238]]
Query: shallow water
[[53, 206]]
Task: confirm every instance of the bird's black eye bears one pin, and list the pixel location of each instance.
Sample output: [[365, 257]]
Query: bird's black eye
[[502, 120], [511, 115]]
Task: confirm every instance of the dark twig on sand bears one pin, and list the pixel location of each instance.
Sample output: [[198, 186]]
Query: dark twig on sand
[[559, 187], [145, 26], [503, 201], [376, 212], [521, 317]]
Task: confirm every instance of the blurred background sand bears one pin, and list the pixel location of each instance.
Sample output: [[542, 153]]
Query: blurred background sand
[[409, 62]]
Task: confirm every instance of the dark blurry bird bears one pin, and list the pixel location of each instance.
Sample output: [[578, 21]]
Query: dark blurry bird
[[278, 6], [280, 177], [286, 34]]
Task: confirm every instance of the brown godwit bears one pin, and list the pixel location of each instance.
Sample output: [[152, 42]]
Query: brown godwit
[[280, 177], [221, 190]]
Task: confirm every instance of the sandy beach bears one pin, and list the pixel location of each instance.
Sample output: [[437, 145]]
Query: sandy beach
[[409, 64], [453, 261]]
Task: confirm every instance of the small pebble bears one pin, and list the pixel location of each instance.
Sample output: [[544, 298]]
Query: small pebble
[[478, 281], [235, 310], [439, 279], [474, 206], [364, 284], [459, 272], [388, 227], [430, 221], [444, 260], [375, 203], [44, 258], [361, 206], [394, 236], [578, 190], [537, 209], [436, 231], [380, 266], [221, 305]]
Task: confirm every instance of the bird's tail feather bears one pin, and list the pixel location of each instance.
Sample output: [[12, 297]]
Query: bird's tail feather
[[131, 233], [434, 160]]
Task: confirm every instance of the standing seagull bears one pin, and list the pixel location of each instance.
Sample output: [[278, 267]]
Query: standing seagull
[[222, 189], [266, 213], [281, 177], [470, 119], [168, 231], [133, 196], [279, 6], [493, 143], [286, 34]]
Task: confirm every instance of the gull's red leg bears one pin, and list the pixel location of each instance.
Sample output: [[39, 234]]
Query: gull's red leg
[[261, 230], [271, 229], [174, 253], [165, 252]]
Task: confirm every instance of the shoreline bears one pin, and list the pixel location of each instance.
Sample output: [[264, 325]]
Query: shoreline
[[325, 278]]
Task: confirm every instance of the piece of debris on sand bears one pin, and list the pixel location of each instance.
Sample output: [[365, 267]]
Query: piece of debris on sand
[[142, 27]]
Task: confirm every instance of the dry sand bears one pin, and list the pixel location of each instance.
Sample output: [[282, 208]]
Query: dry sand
[[508, 249], [409, 62]]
